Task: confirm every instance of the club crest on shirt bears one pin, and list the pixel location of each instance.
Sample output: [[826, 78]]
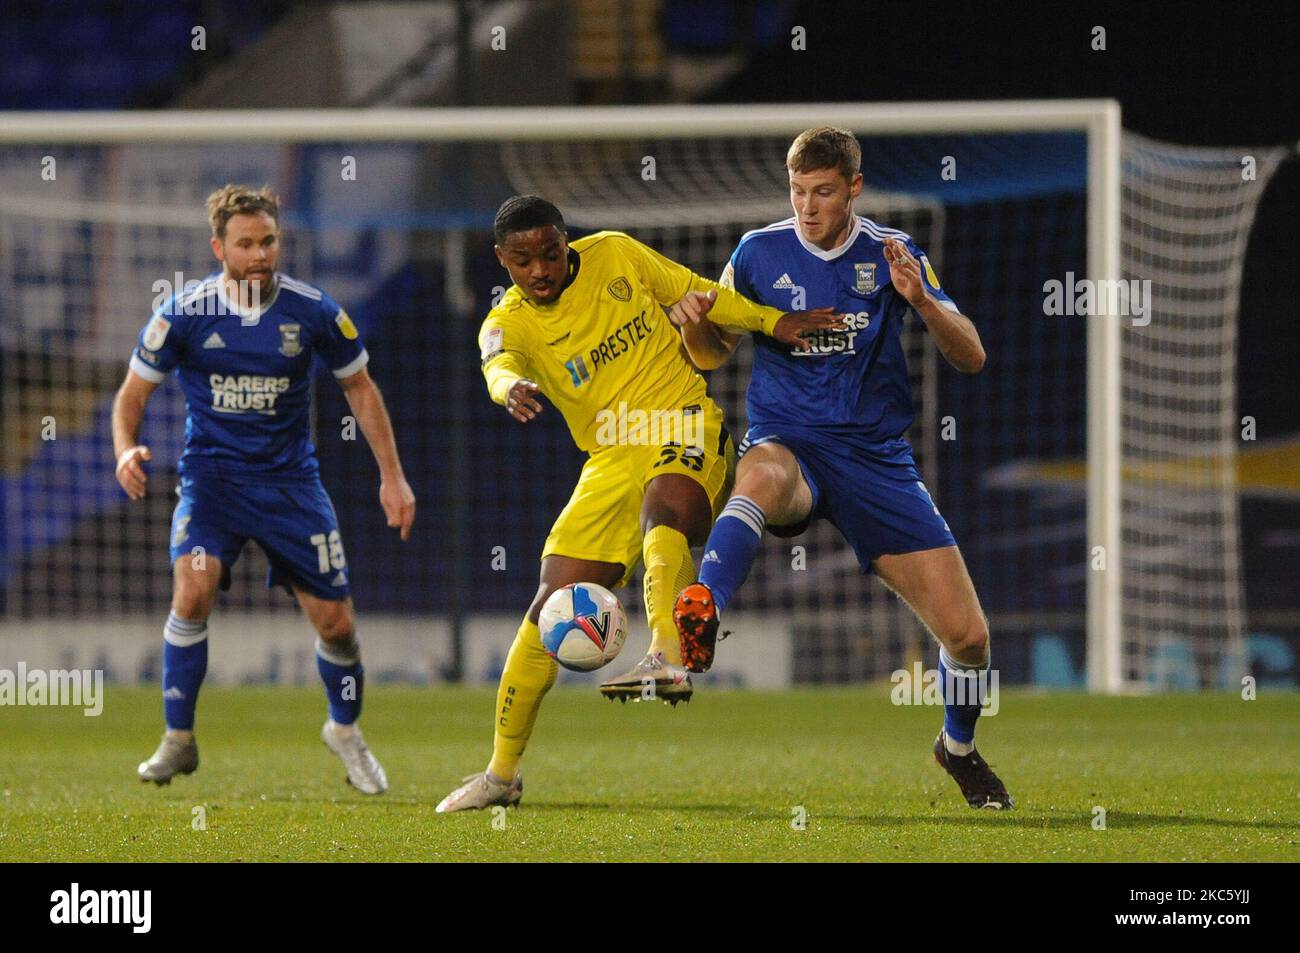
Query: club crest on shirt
[[290, 340], [621, 289], [864, 275]]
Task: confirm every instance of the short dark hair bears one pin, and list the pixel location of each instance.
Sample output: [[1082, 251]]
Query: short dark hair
[[825, 147], [519, 213]]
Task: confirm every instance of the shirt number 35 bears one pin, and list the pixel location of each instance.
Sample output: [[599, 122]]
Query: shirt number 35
[[691, 457]]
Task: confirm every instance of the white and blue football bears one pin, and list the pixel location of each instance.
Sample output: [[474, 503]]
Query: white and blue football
[[583, 626]]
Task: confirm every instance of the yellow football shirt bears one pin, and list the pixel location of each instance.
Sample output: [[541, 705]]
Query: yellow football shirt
[[606, 344]]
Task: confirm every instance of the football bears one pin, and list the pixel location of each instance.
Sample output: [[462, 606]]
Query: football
[[583, 626]]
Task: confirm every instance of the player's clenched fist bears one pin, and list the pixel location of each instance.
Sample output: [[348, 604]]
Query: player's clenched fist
[[692, 307], [795, 324], [130, 473], [522, 401]]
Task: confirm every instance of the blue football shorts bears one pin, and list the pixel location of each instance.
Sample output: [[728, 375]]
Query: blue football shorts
[[295, 525], [874, 496]]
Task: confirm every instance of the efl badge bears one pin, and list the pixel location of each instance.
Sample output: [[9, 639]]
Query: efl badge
[[290, 340], [864, 274], [929, 272], [621, 289], [493, 344], [156, 332], [346, 327]]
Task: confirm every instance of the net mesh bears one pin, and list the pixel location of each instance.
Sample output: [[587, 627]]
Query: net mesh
[[405, 244], [86, 255], [1187, 215]]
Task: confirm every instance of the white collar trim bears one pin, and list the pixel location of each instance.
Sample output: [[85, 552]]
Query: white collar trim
[[837, 251], [247, 316]]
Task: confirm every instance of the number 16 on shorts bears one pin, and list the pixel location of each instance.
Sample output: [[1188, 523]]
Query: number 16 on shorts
[[329, 551]]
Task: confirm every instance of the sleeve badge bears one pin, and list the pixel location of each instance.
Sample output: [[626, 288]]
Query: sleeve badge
[[493, 344], [930, 276], [728, 277], [346, 327], [155, 333]]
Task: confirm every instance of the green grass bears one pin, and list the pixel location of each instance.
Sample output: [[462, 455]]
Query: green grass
[[1181, 777]]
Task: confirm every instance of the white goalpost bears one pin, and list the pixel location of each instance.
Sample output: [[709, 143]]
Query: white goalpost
[[570, 152]]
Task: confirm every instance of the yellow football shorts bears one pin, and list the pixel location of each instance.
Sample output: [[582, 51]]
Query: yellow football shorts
[[602, 520]]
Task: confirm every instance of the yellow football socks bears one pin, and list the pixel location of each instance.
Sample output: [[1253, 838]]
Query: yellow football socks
[[668, 570], [529, 675]]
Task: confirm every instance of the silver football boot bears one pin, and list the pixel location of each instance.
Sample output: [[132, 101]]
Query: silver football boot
[[479, 791], [651, 679], [364, 771], [173, 757]]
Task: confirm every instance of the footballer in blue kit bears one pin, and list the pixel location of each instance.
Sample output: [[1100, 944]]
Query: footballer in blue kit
[[241, 344], [827, 428]]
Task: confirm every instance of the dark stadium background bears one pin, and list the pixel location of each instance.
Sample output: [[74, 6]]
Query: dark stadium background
[[1208, 75]]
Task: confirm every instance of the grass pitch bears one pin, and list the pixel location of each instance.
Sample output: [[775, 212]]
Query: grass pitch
[[1180, 777]]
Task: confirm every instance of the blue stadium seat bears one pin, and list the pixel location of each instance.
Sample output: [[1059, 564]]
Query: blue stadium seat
[[1050, 663]]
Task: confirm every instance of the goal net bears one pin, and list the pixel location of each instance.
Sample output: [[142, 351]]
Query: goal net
[[396, 225], [1187, 214]]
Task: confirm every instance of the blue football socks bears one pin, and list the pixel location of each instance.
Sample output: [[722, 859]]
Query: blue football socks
[[963, 696], [185, 662], [733, 544], [340, 669]]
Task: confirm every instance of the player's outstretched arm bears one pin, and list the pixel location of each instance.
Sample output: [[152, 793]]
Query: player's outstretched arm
[[670, 282], [128, 412], [954, 333], [505, 371], [707, 345], [367, 404], [794, 325], [521, 400]]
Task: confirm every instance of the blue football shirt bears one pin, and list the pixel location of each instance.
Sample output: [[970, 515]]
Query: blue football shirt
[[851, 384], [246, 375]]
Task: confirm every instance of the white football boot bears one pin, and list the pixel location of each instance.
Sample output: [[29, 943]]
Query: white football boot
[[172, 757], [479, 791], [364, 771], [653, 678]]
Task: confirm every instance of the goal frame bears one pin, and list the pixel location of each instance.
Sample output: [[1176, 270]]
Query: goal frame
[[1098, 119]]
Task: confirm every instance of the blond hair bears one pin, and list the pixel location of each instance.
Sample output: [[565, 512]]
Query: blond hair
[[825, 147], [233, 199]]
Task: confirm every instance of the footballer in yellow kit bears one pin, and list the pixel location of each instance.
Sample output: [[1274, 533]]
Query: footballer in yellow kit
[[612, 367], [584, 325]]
